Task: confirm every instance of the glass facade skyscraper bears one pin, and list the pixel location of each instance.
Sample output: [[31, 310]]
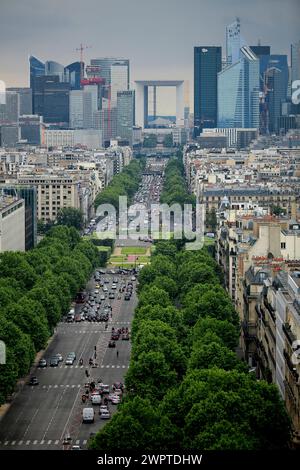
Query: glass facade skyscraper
[[125, 114], [207, 65], [73, 75], [238, 92], [233, 42], [37, 69], [295, 61], [52, 99]]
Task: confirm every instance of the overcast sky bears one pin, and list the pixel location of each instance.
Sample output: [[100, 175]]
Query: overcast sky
[[157, 36]]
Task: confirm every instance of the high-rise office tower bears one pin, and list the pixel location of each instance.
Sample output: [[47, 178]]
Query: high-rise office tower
[[25, 95], [119, 76], [275, 83], [37, 69], [233, 42], [125, 114], [73, 75], [238, 92], [31, 129], [207, 65], [260, 50], [295, 61], [51, 98], [54, 68], [12, 107], [104, 65], [81, 109]]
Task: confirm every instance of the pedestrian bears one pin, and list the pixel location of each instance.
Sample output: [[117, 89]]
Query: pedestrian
[[117, 353], [95, 348], [87, 373], [95, 355]]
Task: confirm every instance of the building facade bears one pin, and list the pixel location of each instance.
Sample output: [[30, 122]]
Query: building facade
[[238, 93], [12, 223], [207, 65], [126, 115]]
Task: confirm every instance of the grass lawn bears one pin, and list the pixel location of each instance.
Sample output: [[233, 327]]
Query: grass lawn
[[133, 250]]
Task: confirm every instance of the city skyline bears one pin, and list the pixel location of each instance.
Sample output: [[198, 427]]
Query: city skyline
[[111, 30]]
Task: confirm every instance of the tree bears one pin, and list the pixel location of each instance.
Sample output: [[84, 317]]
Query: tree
[[150, 141], [206, 356], [226, 331], [71, 217], [277, 210]]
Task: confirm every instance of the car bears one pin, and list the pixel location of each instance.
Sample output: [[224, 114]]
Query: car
[[105, 414], [42, 363], [97, 286], [111, 295], [115, 336], [33, 381], [116, 399], [106, 281], [96, 291], [105, 388], [102, 297], [127, 296], [115, 280], [102, 408], [70, 317], [105, 289], [114, 286], [118, 391], [133, 278], [75, 448], [101, 271], [125, 336], [72, 354], [59, 357], [53, 362], [112, 344], [69, 360]]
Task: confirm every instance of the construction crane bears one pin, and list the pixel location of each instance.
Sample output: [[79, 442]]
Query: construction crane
[[81, 48]]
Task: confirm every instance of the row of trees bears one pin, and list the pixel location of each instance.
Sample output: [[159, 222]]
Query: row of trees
[[175, 189], [124, 184], [36, 289], [186, 387]]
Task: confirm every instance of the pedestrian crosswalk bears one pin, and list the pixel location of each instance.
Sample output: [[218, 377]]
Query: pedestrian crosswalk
[[82, 367], [38, 442]]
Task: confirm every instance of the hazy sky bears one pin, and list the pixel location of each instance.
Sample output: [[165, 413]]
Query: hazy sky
[[156, 35]]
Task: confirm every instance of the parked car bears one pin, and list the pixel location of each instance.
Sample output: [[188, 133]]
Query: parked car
[[116, 399], [112, 344], [42, 363], [111, 295]]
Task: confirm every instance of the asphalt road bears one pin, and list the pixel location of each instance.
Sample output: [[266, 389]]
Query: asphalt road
[[40, 416]]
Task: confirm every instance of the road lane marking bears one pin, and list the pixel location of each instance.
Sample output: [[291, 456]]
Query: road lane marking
[[13, 443], [35, 442], [84, 442], [56, 442], [77, 442], [27, 443], [6, 442], [20, 443], [42, 441], [49, 442]]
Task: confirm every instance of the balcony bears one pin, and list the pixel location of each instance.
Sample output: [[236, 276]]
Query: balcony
[[288, 333]]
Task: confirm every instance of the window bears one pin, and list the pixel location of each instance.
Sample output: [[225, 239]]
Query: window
[[282, 245]]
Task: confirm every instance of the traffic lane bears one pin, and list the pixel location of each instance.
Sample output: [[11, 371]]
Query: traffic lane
[[41, 403]]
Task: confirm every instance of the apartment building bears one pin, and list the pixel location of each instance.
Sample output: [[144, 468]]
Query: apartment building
[[12, 223]]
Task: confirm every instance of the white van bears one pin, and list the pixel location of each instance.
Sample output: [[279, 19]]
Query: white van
[[88, 415], [96, 399]]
